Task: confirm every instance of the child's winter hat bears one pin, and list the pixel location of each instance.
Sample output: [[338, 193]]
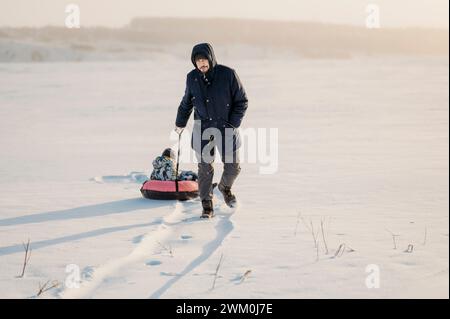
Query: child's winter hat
[[168, 152]]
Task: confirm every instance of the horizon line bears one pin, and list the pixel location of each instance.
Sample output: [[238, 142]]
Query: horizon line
[[266, 20]]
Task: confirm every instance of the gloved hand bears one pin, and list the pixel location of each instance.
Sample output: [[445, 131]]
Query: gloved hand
[[179, 130]]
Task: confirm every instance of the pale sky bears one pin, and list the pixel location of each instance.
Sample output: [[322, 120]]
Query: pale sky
[[116, 13]]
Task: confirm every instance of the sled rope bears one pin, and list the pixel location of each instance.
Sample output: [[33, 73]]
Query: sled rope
[[178, 162]]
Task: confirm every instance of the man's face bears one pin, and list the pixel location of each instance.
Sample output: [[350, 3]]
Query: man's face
[[202, 64]]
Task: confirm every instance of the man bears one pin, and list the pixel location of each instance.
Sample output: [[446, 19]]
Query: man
[[219, 101]]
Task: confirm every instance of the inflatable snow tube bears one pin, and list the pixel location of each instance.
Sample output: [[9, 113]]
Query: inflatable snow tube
[[154, 189]]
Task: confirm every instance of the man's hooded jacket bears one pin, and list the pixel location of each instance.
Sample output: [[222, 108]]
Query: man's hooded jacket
[[217, 97]]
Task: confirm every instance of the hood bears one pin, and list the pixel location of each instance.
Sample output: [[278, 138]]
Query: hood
[[207, 50]]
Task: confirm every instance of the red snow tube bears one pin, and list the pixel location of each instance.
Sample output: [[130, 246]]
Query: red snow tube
[[154, 189]]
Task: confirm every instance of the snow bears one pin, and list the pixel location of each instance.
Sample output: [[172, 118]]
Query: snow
[[363, 149]]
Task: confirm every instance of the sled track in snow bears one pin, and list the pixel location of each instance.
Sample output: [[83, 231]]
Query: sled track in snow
[[223, 227], [150, 243]]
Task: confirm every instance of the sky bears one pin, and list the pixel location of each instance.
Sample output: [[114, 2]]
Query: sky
[[117, 13]]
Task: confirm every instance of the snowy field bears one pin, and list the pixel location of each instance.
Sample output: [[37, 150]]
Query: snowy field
[[362, 150]]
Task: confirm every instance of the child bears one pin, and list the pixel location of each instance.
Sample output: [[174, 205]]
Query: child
[[164, 167]]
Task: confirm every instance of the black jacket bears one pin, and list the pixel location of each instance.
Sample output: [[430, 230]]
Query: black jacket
[[217, 98]]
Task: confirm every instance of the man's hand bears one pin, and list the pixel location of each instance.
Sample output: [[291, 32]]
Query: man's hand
[[179, 130]]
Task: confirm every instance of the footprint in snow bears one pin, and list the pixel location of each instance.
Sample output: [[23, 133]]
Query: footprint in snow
[[137, 239], [153, 263], [132, 177], [87, 273], [170, 274]]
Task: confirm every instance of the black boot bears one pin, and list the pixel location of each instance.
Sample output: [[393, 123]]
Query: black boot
[[208, 210], [228, 196]]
